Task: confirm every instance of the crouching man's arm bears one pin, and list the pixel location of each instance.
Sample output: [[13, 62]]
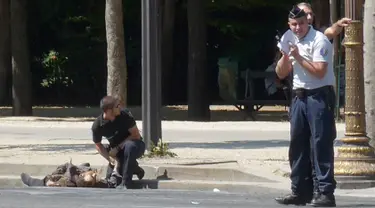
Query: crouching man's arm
[[97, 139], [102, 151]]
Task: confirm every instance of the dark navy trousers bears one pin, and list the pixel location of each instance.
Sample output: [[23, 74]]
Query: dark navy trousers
[[313, 131]]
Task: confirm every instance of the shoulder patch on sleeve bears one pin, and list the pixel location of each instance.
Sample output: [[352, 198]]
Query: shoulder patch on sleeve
[[324, 51]]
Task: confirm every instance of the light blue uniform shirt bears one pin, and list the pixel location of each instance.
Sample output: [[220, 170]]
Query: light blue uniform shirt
[[314, 47]]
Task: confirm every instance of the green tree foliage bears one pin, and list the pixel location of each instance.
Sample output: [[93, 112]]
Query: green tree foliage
[[248, 27], [243, 29]]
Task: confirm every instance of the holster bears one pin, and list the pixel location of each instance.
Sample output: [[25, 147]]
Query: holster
[[287, 94], [300, 93]]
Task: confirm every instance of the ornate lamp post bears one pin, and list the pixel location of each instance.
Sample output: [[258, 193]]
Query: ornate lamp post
[[355, 159]]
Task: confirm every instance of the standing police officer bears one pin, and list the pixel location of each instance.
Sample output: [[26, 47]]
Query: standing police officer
[[308, 55]]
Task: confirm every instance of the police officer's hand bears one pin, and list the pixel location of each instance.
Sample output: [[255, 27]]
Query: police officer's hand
[[294, 51], [284, 56], [344, 22]]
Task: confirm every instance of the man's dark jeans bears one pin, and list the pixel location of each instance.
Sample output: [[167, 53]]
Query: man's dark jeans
[[128, 166]]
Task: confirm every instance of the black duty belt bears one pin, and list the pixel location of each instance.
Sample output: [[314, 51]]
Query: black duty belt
[[302, 93]]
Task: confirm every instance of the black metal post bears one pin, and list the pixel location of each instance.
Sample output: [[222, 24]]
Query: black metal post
[[145, 66], [151, 123], [158, 67]]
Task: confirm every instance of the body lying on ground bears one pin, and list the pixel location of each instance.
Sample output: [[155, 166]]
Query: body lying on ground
[[69, 175]]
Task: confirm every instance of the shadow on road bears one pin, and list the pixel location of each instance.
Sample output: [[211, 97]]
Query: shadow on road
[[253, 144], [83, 148], [54, 147], [88, 147], [168, 113]]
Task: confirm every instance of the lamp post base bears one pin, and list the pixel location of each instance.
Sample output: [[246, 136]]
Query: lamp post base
[[355, 164]]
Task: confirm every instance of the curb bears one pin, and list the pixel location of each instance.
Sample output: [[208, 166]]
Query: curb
[[216, 186], [158, 177], [174, 173], [346, 182]]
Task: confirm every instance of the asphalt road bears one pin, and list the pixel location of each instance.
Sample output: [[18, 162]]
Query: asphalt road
[[89, 198], [169, 135]]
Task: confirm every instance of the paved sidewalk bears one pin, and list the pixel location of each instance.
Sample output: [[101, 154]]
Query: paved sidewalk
[[244, 142]]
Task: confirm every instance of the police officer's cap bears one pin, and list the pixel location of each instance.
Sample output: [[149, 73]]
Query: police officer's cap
[[296, 12]]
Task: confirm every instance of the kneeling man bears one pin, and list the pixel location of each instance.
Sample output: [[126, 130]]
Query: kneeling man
[[125, 142]]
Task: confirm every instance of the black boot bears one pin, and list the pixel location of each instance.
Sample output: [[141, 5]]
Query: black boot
[[293, 199], [139, 172], [323, 200], [30, 181]]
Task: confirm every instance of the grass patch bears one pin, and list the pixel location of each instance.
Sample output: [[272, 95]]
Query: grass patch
[[161, 150]]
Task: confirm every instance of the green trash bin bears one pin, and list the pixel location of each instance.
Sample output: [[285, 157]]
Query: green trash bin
[[227, 78]]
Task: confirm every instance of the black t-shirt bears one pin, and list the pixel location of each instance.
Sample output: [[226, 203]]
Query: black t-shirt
[[115, 131]]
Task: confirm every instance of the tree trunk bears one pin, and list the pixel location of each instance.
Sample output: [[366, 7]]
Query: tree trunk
[[22, 98], [198, 98], [116, 62], [369, 63], [5, 52], [322, 13], [169, 7]]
